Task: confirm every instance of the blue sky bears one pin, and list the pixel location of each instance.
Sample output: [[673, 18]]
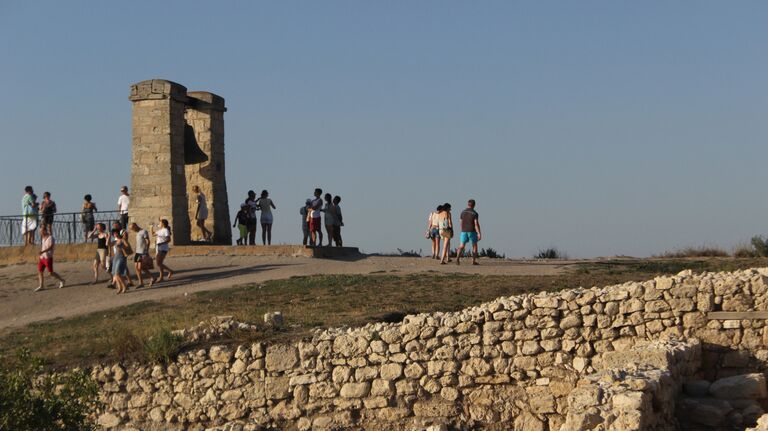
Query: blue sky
[[599, 127]]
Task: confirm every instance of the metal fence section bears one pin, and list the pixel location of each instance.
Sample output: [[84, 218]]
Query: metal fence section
[[68, 228]]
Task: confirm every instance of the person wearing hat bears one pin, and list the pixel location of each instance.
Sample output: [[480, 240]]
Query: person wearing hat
[[122, 206], [241, 222]]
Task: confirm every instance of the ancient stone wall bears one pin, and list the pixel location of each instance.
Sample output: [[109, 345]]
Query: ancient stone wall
[[507, 364]]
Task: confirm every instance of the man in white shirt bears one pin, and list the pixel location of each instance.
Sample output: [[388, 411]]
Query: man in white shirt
[[122, 206]]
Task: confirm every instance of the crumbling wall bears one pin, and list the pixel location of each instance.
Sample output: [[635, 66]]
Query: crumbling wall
[[507, 364]]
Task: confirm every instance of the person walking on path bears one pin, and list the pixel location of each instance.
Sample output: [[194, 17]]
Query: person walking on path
[[119, 261], [433, 231], [47, 209], [29, 216], [339, 222], [266, 206], [315, 219], [102, 250], [122, 234], [141, 259], [87, 217], [445, 224], [46, 259], [251, 202], [122, 206], [470, 231], [304, 212], [241, 222], [330, 218], [163, 238], [201, 213]]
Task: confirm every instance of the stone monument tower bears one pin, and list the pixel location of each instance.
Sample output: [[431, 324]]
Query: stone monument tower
[[178, 142]]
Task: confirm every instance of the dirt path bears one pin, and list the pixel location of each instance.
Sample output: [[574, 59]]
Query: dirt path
[[19, 305]]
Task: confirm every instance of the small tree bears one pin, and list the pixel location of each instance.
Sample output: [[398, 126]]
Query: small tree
[[760, 245], [32, 400]]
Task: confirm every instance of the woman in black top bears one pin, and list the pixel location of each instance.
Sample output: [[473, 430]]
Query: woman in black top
[[102, 252]]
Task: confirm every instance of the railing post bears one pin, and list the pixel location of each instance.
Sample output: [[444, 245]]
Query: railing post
[[69, 229], [10, 233]]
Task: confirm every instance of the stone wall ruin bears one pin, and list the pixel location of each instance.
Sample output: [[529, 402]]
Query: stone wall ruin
[[623, 357], [178, 142]]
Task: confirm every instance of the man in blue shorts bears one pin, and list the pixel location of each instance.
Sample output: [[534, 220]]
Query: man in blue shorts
[[470, 231]]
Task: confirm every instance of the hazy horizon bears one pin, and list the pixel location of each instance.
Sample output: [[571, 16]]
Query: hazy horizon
[[596, 127]]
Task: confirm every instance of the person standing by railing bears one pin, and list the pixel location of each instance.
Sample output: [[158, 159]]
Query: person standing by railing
[[29, 216], [122, 206], [47, 210], [87, 218]]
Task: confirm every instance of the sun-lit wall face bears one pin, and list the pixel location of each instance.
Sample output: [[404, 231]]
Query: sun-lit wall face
[[161, 178]]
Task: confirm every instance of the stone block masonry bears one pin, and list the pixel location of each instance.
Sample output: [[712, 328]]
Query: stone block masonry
[[582, 359], [164, 167]]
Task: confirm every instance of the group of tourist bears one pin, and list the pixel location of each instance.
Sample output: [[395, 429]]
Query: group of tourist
[[318, 211], [113, 247], [440, 227], [246, 219], [312, 219], [38, 215], [35, 214]]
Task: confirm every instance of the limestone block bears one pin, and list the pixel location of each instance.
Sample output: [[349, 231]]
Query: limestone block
[[221, 354], [355, 390], [282, 357], [391, 371]]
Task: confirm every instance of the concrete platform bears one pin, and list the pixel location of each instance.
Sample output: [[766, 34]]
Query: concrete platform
[[84, 252]]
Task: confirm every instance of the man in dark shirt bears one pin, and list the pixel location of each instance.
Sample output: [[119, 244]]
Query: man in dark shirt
[[470, 231]]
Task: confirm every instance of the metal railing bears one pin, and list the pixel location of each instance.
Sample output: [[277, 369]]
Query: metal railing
[[67, 228]]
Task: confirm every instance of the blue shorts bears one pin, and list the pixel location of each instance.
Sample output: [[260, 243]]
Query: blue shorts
[[468, 237], [434, 233]]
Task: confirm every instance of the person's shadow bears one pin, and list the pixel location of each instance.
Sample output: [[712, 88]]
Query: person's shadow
[[178, 280]]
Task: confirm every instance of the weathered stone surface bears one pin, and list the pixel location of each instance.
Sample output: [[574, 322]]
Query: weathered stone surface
[[742, 386]]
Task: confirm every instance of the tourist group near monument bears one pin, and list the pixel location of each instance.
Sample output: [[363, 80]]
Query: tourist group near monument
[[114, 247]]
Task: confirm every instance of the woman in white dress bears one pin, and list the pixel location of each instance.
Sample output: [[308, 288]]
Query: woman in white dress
[[265, 204], [201, 213]]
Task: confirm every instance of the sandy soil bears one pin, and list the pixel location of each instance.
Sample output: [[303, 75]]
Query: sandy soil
[[19, 305]]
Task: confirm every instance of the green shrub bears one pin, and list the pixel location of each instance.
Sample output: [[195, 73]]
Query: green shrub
[[490, 253], [160, 346], [163, 346], [550, 253], [32, 400]]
